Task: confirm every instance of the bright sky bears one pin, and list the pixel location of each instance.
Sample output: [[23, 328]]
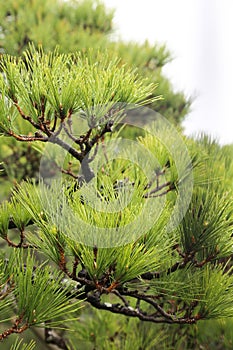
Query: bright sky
[[199, 33]]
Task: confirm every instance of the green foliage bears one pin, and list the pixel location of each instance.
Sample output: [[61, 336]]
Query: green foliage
[[19, 346], [101, 232], [5, 214], [40, 294], [209, 215], [216, 285], [72, 24], [150, 59], [215, 334], [129, 261], [101, 330], [79, 25], [56, 85]]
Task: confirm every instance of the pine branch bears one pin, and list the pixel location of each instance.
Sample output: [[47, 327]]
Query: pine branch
[[54, 139], [16, 328], [21, 243], [26, 138], [93, 292], [160, 316], [154, 193], [26, 117], [22, 236], [70, 135]]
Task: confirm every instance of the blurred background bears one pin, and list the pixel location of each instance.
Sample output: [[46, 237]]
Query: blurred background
[[199, 35]]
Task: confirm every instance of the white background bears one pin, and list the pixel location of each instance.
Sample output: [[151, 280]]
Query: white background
[[199, 34]]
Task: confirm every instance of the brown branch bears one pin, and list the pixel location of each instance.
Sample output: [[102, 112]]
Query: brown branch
[[62, 261], [82, 277], [75, 139], [52, 137], [26, 138], [206, 260], [90, 159], [56, 140], [69, 172], [107, 128], [168, 315], [54, 123], [75, 265], [121, 297], [168, 184], [26, 117], [143, 316], [21, 243], [16, 328], [158, 173], [84, 138], [66, 171]]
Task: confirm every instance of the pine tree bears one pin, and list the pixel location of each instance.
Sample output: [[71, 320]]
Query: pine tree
[[74, 26], [140, 228]]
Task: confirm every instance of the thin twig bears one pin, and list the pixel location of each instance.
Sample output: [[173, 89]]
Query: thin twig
[[158, 188], [26, 117], [26, 138]]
